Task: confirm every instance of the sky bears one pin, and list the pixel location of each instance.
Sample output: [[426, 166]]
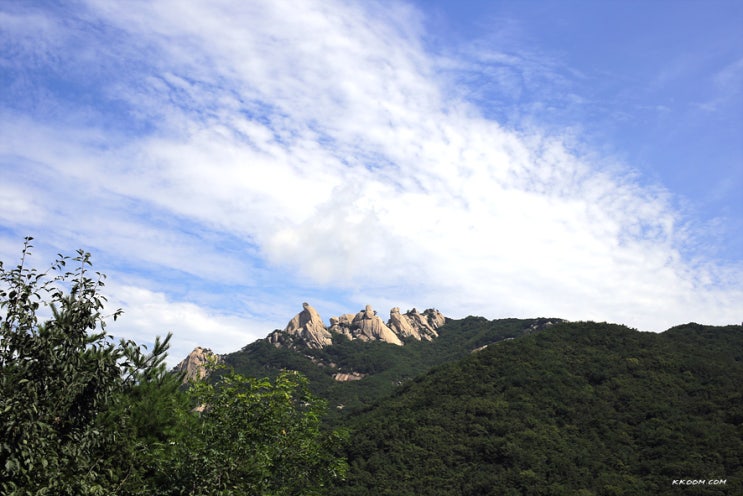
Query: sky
[[225, 161]]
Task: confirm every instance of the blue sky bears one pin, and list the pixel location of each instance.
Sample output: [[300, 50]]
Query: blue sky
[[226, 161]]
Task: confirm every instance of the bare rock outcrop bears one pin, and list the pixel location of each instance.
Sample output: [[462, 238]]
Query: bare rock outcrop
[[419, 326], [195, 364], [306, 328], [365, 326], [372, 327], [342, 325], [345, 377], [401, 325]]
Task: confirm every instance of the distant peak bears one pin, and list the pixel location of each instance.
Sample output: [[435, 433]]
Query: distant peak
[[306, 329], [195, 365]]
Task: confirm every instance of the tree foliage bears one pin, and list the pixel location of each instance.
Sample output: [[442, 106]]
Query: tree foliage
[[257, 436], [581, 408], [58, 376], [83, 414]]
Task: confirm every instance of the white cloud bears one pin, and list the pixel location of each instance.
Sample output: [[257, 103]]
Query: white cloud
[[321, 137], [149, 313]]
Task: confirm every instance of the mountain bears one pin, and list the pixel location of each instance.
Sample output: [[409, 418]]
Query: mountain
[[576, 409], [358, 358], [519, 406]]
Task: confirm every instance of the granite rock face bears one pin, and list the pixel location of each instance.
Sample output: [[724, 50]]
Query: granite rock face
[[195, 364], [368, 326], [365, 325], [345, 377], [419, 326], [306, 328]]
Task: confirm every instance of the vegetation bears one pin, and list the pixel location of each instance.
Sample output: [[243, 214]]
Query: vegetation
[[385, 365], [81, 414], [562, 409], [580, 408], [258, 437]]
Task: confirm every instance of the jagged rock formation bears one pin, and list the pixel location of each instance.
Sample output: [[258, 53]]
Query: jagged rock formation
[[342, 325], [195, 364], [368, 326], [306, 328], [415, 325]]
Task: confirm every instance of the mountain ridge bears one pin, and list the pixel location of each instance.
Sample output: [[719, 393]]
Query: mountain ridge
[[581, 408], [524, 406], [351, 374], [307, 331]]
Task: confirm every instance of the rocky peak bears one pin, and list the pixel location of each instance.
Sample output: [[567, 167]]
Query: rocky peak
[[195, 364], [415, 325], [306, 328], [365, 325]]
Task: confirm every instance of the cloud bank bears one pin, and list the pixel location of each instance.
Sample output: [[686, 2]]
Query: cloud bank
[[226, 157]]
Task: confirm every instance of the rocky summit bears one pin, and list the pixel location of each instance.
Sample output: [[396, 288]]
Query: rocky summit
[[194, 366], [419, 326], [366, 325], [307, 328]]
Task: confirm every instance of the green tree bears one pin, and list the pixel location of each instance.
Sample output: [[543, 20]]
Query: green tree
[[150, 415], [81, 414], [61, 379], [257, 436]]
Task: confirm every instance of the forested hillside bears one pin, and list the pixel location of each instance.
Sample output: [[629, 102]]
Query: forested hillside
[[581, 408], [383, 366]]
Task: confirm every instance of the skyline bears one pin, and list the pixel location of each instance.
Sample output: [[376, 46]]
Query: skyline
[[226, 161]]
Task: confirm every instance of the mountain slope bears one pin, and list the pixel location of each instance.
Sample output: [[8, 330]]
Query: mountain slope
[[377, 366], [580, 408]]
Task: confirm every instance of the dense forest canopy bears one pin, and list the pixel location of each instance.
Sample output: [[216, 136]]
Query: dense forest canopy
[[581, 408]]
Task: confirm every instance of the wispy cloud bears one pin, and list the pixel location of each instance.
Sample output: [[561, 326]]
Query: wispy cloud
[[728, 82], [320, 143]]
